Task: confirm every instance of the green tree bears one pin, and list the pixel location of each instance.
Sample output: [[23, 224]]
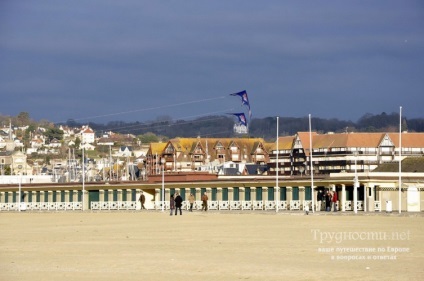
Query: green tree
[[148, 138], [77, 142], [23, 119], [404, 125], [54, 133]]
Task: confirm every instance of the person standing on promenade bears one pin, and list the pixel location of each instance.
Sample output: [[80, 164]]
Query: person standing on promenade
[[178, 203], [327, 201], [205, 202], [171, 204], [191, 201], [142, 199], [334, 200], [319, 200]]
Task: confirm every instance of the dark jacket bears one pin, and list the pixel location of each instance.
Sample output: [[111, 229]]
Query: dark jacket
[[319, 195], [178, 201], [328, 199]]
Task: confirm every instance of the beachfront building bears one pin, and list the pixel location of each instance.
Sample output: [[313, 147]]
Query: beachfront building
[[342, 153], [362, 168], [193, 154], [375, 191]]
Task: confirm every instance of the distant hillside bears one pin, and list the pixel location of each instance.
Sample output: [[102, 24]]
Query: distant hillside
[[222, 126]]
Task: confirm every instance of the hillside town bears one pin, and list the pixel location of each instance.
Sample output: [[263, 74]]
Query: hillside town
[[111, 156]]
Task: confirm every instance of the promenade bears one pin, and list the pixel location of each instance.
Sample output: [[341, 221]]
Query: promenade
[[216, 245]]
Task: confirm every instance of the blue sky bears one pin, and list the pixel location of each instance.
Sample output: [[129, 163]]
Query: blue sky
[[102, 60]]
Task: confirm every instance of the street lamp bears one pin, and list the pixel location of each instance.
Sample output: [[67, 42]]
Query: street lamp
[[83, 178], [311, 152], [276, 174], [162, 161], [20, 190], [355, 186], [400, 159]]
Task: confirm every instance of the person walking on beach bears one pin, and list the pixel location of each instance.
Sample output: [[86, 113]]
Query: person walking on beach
[[171, 204], [191, 201], [178, 203], [142, 199], [205, 202]]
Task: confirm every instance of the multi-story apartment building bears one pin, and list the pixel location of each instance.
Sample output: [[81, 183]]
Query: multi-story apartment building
[[339, 153], [188, 154]]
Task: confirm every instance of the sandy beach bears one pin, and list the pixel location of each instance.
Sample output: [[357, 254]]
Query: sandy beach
[[152, 245]]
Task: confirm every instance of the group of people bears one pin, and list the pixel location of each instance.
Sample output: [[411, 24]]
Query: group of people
[[176, 202], [327, 200]]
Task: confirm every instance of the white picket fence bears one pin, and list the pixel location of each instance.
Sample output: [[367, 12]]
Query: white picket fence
[[294, 205], [41, 206]]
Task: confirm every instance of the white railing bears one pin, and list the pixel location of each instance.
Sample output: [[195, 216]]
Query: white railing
[[348, 206], [213, 205], [270, 205], [41, 206], [282, 205], [158, 205], [293, 205], [258, 205], [113, 205], [224, 205], [235, 205], [246, 205]]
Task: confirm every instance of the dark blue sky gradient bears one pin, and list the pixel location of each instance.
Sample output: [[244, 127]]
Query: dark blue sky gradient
[[102, 60]]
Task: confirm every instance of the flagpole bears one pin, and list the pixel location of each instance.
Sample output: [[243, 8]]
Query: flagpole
[[400, 158], [312, 174], [20, 190], [276, 173], [83, 179]]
